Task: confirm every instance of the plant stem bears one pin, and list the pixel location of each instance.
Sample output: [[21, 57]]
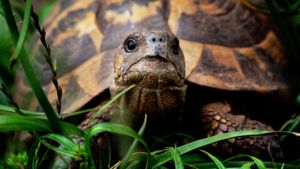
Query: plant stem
[[49, 58], [28, 69]]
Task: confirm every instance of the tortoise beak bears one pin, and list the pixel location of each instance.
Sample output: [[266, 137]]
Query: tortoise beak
[[155, 70]]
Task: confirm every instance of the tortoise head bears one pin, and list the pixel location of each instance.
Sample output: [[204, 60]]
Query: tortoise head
[[147, 54], [154, 62]]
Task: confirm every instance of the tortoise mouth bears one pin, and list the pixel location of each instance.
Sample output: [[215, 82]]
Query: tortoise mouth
[[153, 73]]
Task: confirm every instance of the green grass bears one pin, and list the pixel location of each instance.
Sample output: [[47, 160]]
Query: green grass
[[52, 134], [26, 64]]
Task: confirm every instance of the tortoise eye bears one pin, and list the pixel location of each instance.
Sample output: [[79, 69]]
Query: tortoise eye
[[175, 46], [129, 45]]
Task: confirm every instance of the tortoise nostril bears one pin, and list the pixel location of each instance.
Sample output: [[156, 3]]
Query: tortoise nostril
[[156, 39]]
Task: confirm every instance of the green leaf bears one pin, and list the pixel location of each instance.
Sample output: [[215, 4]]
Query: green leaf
[[22, 123], [67, 146], [218, 163], [6, 110], [23, 32], [133, 145], [34, 154], [105, 106], [66, 142], [60, 150], [26, 123], [28, 69], [68, 128], [11, 23], [71, 114], [238, 164], [137, 159], [256, 161], [176, 158], [247, 165], [164, 157], [111, 128]]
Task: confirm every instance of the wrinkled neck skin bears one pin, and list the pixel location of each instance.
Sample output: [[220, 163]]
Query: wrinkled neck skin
[[158, 104]]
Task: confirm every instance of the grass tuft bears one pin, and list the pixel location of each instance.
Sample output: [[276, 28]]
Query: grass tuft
[[109, 127], [27, 67]]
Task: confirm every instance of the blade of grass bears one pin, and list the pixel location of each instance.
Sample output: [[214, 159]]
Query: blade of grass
[[110, 128], [134, 165], [70, 129], [26, 123], [62, 140], [164, 157], [29, 72], [34, 155], [247, 165], [238, 164], [59, 150], [11, 111], [105, 106], [10, 20], [193, 158], [217, 162], [21, 123], [10, 99], [133, 145], [70, 114], [66, 146], [258, 162], [136, 160], [290, 126], [176, 158], [23, 33]]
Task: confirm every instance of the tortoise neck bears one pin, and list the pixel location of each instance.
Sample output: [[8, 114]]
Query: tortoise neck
[[156, 103]]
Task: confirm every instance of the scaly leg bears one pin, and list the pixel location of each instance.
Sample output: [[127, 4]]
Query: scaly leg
[[218, 118]]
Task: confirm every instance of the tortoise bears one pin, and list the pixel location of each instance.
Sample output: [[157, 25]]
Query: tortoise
[[213, 66]]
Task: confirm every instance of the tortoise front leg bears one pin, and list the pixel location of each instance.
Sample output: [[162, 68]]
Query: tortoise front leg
[[218, 118]]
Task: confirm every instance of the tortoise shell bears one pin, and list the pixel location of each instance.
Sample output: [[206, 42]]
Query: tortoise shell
[[226, 46]]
